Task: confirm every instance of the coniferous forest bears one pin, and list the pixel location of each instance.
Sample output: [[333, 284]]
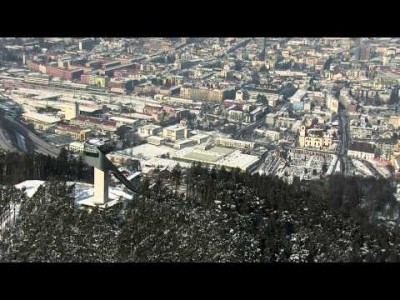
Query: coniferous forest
[[223, 217], [16, 167]]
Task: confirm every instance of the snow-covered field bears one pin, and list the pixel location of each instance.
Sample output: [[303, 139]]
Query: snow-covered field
[[31, 186], [83, 191], [363, 169], [334, 163], [381, 169]]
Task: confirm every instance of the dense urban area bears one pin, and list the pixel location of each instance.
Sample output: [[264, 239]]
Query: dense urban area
[[219, 149]]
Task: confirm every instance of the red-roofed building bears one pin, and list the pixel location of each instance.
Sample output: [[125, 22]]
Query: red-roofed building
[[67, 74], [95, 123]]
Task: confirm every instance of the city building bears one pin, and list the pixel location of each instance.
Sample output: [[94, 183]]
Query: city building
[[74, 131], [124, 121], [298, 96], [231, 143], [358, 132], [155, 140], [202, 94], [40, 121], [37, 78], [332, 104], [217, 156], [361, 150], [71, 111], [180, 144], [270, 119], [77, 147], [314, 138], [200, 138], [86, 44], [149, 129], [66, 74], [386, 147], [235, 115], [273, 135], [175, 132], [285, 122], [95, 123], [97, 80]]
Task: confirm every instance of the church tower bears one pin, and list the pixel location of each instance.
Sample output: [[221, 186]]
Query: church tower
[[302, 135]]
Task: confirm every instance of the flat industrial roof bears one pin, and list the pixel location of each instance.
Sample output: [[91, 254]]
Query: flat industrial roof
[[179, 142], [147, 151], [238, 160], [175, 127], [41, 118], [199, 136], [220, 156], [139, 116], [123, 119], [165, 163], [151, 126], [154, 137], [89, 109]]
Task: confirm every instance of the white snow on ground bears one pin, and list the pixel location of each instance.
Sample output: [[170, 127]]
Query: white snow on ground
[[115, 195], [162, 163], [338, 167], [361, 167], [21, 141], [381, 169], [9, 218], [334, 163], [83, 191], [31, 186], [4, 224], [83, 196], [147, 151]]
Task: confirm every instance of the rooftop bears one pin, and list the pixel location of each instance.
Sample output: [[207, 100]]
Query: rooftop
[[146, 151], [199, 136], [123, 119], [74, 128], [219, 156], [41, 118], [175, 127], [96, 121], [151, 126], [89, 109], [362, 147]]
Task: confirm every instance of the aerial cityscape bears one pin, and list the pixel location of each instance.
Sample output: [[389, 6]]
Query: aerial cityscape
[[200, 149]]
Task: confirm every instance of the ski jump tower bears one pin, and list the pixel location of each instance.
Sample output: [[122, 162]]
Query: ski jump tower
[[102, 166]]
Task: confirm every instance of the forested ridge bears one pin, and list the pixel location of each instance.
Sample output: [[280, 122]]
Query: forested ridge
[[202, 215], [16, 167]]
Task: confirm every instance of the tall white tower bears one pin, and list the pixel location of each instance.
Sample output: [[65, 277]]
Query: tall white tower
[[100, 186], [96, 158], [102, 167]]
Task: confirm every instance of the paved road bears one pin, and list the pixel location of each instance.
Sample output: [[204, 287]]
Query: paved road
[[40, 145], [345, 164], [240, 134], [372, 169], [5, 144]]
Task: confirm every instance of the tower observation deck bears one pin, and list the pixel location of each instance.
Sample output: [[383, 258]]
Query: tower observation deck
[[102, 167]]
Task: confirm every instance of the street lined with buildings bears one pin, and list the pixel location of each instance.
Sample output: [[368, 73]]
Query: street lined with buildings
[[297, 108]]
